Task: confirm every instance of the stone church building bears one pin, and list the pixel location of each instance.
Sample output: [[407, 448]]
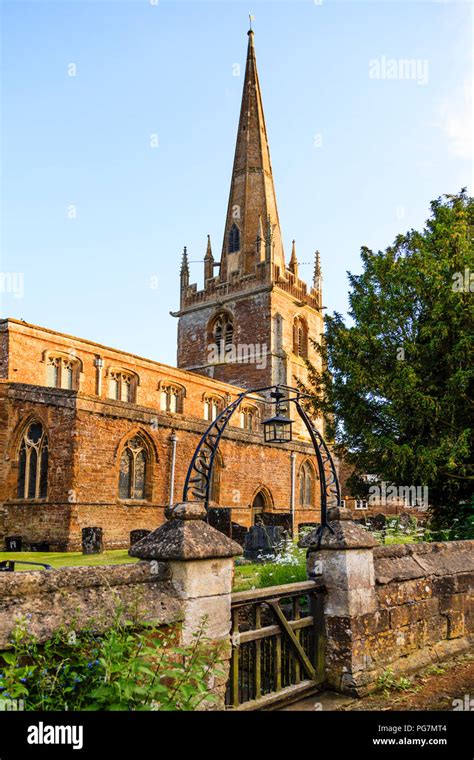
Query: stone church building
[[94, 436]]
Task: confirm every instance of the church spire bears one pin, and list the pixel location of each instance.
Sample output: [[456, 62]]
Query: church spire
[[252, 193]]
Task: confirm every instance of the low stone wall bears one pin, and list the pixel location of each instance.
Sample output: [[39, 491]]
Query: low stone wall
[[184, 578], [400, 607], [424, 594], [423, 613], [81, 595]]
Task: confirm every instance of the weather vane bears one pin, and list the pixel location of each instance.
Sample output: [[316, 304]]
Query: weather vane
[[251, 18]]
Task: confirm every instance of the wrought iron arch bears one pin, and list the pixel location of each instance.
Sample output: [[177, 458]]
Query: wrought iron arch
[[199, 476]]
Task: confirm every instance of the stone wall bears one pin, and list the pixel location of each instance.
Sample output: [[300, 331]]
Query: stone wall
[[400, 607], [424, 594], [80, 595]]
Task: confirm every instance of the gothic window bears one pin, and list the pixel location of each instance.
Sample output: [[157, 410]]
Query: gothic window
[[249, 418], [300, 338], [62, 372], [171, 399], [122, 386], [133, 470], [33, 463], [223, 332], [212, 407], [306, 484], [234, 239]]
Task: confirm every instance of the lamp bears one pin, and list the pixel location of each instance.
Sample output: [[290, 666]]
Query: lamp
[[277, 429]]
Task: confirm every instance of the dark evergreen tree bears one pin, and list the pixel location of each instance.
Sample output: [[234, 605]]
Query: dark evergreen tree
[[396, 390]]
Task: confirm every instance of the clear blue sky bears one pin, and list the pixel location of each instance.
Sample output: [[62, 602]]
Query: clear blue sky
[[388, 146]]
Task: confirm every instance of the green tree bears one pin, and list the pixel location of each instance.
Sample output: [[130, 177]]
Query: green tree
[[396, 390]]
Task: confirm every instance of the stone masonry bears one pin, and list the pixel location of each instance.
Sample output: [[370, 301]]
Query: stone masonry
[[400, 607]]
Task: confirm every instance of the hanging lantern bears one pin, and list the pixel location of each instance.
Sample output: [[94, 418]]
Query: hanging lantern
[[277, 429]]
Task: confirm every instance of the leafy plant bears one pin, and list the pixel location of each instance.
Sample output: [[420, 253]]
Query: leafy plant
[[128, 667], [387, 682]]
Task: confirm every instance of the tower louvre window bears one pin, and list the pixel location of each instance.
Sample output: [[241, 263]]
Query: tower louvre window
[[300, 338], [234, 239], [223, 333]]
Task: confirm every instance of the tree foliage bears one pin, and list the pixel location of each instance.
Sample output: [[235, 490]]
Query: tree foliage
[[396, 390]]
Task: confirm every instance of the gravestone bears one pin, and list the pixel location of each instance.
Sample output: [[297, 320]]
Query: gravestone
[[262, 541], [220, 518], [92, 541], [238, 533], [379, 521], [39, 546], [282, 519], [137, 535], [13, 543]]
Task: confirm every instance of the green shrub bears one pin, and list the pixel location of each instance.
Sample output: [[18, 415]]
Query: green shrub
[[129, 667]]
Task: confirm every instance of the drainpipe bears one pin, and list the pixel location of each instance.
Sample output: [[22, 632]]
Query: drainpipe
[[293, 488], [173, 440]]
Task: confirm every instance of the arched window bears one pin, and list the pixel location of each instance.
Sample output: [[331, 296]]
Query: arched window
[[171, 399], [212, 407], [33, 463], [62, 372], [300, 338], [306, 484], [122, 386], [133, 470], [249, 418], [223, 333], [234, 239]]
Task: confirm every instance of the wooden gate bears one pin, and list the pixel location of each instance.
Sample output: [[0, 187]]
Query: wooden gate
[[277, 646]]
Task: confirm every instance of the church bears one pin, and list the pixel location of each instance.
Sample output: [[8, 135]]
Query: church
[[92, 436]]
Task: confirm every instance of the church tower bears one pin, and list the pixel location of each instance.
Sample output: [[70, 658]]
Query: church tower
[[252, 322]]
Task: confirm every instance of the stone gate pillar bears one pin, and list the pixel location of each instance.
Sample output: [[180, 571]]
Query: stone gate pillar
[[201, 562], [343, 564]]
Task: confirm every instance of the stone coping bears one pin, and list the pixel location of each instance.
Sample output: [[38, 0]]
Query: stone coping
[[403, 562]]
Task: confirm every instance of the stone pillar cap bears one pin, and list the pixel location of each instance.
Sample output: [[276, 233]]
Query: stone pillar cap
[[185, 536], [341, 533]]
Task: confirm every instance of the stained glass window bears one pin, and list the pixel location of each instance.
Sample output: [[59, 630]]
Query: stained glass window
[[133, 470], [306, 485], [33, 463]]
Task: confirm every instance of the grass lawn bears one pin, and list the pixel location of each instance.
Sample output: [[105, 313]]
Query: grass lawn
[[246, 577], [68, 559]]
